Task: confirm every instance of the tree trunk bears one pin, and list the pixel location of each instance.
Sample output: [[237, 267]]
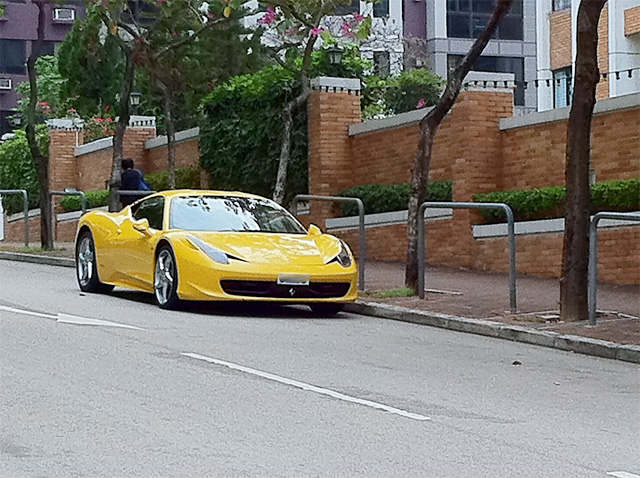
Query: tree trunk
[[428, 129], [40, 160], [121, 127], [171, 135], [574, 282]]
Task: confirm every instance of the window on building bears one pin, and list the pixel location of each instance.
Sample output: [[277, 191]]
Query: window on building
[[353, 7], [381, 8], [468, 18], [562, 87], [48, 48], [381, 62], [497, 64], [561, 4], [13, 57]]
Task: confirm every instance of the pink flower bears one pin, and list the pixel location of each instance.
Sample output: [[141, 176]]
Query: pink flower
[[422, 103], [98, 120], [358, 17], [291, 31], [159, 2], [316, 31], [269, 17], [109, 120], [71, 110], [347, 29]]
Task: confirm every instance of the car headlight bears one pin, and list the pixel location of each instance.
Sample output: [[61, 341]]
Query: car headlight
[[214, 254], [343, 258]]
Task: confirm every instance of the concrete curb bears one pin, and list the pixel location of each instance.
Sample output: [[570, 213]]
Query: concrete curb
[[36, 259], [568, 343]]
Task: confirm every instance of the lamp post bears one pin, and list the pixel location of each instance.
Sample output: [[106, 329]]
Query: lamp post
[[335, 55], [134, 99]]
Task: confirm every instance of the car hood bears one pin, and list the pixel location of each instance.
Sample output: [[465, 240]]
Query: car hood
[[271, 248]]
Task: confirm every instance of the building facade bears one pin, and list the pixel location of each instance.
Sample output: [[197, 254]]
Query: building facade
[[18, 24], [618, 50], [440, 32]]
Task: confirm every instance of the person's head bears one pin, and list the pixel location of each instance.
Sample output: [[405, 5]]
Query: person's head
[[127, 163]]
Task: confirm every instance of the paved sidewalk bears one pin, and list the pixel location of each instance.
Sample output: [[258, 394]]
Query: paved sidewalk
[[477, 302]]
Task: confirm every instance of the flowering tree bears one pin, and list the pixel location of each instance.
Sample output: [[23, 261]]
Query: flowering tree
[[292, 29]]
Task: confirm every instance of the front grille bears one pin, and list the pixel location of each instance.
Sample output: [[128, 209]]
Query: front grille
[[315, 290]]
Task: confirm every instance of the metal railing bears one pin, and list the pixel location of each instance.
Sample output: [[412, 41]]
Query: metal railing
[[135, 192], [362, 242], [70, 192], [593, 256], [468, 205], [25, 209]]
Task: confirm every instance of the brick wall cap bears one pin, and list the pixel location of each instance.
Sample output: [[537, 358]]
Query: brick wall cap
[[384, 219], [68, 124], [483, 80], [486, 231], [180, 136], [136, 121], [342, 84], [396, 121], [97, 145], [562, 114]]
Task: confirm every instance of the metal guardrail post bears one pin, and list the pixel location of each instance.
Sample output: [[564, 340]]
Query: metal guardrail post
[[66, 192], [593, 256], [469, 205], [25, 209], [362, 242]]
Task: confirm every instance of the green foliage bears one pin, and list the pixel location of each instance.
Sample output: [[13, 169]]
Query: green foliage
[[186, 178], [353, 65], [524, 202], [93, 66], [548, 202], [240, 133], [17, 170], [390, 293], [391, 197], [399, 93], [52, 99], [96, 198], [622, 194]]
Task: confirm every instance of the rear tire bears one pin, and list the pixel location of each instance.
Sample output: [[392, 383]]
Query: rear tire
[[86, 266], [328, 310], [165, 279]]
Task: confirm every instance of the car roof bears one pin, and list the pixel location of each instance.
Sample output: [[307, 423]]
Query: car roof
[[204, 192]]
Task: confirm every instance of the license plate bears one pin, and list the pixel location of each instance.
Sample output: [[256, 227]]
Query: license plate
[[293, 279]]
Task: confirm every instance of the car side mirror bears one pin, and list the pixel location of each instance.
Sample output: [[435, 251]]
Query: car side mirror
[[314, 230], [141, 226]]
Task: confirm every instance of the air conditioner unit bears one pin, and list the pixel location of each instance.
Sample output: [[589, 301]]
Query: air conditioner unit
[[64, 14], [5, 84]]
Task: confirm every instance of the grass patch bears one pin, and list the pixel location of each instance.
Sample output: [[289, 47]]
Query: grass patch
[[389, 293]]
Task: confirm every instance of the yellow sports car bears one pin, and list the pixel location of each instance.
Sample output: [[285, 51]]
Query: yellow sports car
[[213, 245]]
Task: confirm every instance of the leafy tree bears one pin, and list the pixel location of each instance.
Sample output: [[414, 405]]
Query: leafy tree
[[428, 127], [574, 283], [51, 84], [92, 65]]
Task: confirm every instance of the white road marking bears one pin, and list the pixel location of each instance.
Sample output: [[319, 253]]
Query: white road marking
[[69, 319], [28, 312], [77, 320], [622, 474], [309, 387]]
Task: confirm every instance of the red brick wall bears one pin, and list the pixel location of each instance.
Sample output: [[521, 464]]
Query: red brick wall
[[187, 154], [602, 90], [560, 32], [632, 21]]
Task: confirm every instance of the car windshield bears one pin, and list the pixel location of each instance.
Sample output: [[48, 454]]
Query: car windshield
[[231, 213]]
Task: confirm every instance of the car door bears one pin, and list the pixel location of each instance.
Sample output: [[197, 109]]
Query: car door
[[141, 242]]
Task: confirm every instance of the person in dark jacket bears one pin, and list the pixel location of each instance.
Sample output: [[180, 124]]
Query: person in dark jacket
[[129, 181]]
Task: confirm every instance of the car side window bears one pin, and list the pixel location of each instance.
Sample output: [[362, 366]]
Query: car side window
[[152, 210]]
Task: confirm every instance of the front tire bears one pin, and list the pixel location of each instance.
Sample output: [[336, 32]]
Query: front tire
[[328, 310], [86, 266], [165, 282]]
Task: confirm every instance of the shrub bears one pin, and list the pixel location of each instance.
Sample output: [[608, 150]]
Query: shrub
[[17, 170], [548, 202], [96, 198], [391, 197], [186, 178]]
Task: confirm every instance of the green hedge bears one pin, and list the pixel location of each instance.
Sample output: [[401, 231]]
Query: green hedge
[[548, 202], [17, 170], [186, 178], [391, 197], [95, 199]]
